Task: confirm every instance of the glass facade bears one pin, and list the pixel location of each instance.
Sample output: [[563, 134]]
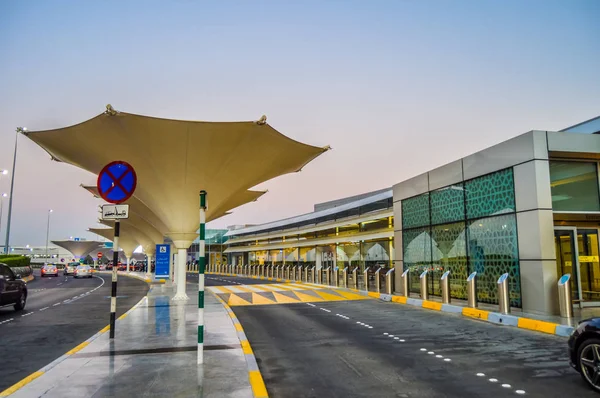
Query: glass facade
[[574, 186], [464, 228]]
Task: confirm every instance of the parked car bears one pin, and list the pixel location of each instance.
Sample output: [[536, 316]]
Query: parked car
[[584, 351], [83, 271], [70, 269], [49, 269], [13, 291]]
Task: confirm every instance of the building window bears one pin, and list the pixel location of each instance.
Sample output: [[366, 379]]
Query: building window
[[415, 211], [448, 204], [449, 253], [493, 251], [574, 186], [416, 246], [491, 194]]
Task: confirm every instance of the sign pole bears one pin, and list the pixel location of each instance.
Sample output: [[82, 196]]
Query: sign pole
[[113, 294], [201, 266]]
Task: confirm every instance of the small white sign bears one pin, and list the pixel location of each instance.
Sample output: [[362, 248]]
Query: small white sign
[[115, 212], [163, 249]]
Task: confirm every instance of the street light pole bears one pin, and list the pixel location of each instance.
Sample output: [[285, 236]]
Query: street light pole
[[47, 235], [12, 186], [4, 195]]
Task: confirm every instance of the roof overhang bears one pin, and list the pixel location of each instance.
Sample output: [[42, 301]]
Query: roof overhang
[[79, 248], [126, 242]]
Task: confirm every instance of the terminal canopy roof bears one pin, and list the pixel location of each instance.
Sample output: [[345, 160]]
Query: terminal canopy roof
[[126, 242], [175, 159], [79, 248]]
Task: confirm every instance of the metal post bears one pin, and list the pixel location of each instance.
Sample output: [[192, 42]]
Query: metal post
[[262, 270], [389, 282], [424, 292], [201, 265], [503, 295], [377, 281], [345, 277], [47, 235], [319, 273], [305, 278], [327, 274], [445, 282], [472, 290], [366, 278], [336, 276], [12, 186], [313, 275], [113, 292], [565, 301], [355, 278], [406, 282]]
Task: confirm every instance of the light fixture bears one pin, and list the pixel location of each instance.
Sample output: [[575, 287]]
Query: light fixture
[[4, 172]]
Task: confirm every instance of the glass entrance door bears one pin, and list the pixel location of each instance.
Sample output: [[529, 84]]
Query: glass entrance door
[[567, 258], [589, 264]]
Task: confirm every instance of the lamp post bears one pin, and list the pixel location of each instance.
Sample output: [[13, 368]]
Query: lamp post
[[12, 186], [4, 195], [47, 234]]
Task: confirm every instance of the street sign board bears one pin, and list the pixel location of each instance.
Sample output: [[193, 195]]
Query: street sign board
[[115, 212], [77, 239], [99, 255], [108, 245], [117, 182], [163, 261]]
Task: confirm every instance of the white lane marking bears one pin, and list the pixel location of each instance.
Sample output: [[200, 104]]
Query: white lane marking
[[423, 349], [506, 385], [386, 333], [430, 353], [439, 356], [447, 360], [480, 374], [370, 327], [44, 309], [390, 335], [520, 392], [29, 313], [59, 284], [492, 380], [402, 340], [54, 305], [396, 338]]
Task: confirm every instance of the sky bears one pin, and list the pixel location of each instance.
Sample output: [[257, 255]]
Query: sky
[[396, 88]]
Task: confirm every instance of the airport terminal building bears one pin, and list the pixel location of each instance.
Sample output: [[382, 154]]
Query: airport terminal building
[[529, 206]]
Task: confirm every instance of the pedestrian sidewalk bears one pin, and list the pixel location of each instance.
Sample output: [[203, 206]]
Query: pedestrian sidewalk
[[154, 354]]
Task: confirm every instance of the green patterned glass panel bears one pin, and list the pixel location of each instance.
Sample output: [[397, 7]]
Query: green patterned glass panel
[[415, 211], [416, 251], [449, 253], [493, 251], [490, 195], [447, 204]]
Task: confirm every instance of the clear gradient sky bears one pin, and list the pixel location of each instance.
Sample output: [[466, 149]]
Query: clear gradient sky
[[395, 87]]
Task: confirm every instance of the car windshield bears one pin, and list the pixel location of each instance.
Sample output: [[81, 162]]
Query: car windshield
[[84, 267]]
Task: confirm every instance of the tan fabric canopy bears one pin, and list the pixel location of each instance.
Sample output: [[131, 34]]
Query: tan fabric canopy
[[79, 248], [176, 159], [126, 242], [129, 230]]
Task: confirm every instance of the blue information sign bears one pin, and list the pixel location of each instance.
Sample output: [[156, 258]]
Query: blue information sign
[[163, 261]]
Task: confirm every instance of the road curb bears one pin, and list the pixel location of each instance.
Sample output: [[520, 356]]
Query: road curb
[[484, 315], [28, 278], [254, 376], [22, 383], [124, 273]]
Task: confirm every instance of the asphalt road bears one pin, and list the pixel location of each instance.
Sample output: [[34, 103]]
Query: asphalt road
[[218, 280], [308, 350], [61, 312]]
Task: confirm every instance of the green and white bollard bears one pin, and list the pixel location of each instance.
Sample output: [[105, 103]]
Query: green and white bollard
[[201, 265]]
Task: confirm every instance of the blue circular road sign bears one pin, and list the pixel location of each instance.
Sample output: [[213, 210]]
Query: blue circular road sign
[[117, 182]]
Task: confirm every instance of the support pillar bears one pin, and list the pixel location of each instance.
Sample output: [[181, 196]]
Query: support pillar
[[182, 242], [150, 255]]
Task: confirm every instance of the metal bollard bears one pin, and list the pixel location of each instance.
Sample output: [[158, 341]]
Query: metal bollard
[[336, 276], [503, 295], [299, 273], [305, 278], [377, 281], [389, 282], [472, 290], [313, 275], [424, 292], [345, 277], [319, 273], [445, 283], [565, 301], [406, 282], [293, 276], [327, 279], [355, 278], [366, 278]]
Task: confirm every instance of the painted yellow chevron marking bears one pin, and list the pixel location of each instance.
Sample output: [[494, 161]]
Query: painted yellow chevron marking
[[307, 298], [258, 299], [234, 299], [281, 299]]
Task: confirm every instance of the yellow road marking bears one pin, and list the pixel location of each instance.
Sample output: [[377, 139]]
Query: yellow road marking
[[329, 296], [257, 383], [234, 299], [258, 299], [307, 298], [282, 299], [350, 296], [10, 390], [539, 326], [432, 305], [475, 313], [78, 348]]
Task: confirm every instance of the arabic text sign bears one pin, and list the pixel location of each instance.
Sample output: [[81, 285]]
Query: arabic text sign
[[117, 182], [163, 261], [115, 212]]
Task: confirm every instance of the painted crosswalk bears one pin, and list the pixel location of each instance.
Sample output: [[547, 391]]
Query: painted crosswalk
[[281, 293]]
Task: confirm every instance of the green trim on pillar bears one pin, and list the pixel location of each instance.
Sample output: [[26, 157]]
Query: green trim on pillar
[[200, 334], [201, 299], [203, 199], [201, 264], [202, 231]]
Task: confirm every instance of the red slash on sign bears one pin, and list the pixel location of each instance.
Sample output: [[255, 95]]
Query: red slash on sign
[[117, 182]]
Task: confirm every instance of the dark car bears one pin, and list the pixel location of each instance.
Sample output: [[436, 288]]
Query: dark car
[[13, 291], [584, 351]]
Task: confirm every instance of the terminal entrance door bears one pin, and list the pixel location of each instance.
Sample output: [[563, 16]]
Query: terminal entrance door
[[577, 253]]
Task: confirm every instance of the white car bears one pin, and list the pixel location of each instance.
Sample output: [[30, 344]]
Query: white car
[[83, 271]]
